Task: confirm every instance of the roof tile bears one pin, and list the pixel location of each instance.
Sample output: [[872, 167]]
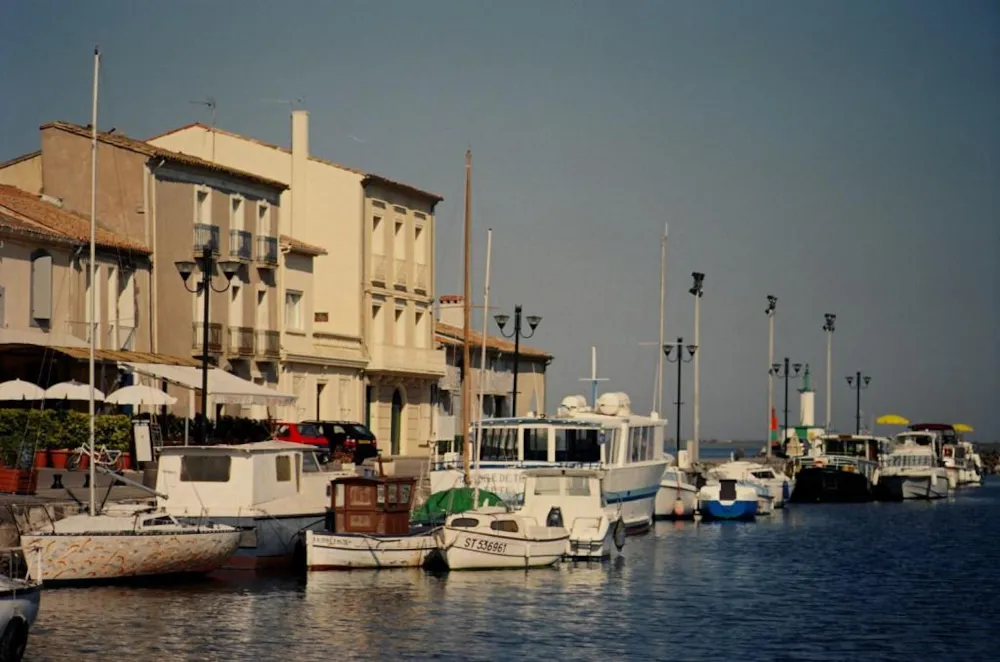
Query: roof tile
[[453, 335]]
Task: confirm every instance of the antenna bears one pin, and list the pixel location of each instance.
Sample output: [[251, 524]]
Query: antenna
[[209, 102], [291, 103], [593, 379]]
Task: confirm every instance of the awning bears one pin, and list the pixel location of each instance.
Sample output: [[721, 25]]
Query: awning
[[223, 387]]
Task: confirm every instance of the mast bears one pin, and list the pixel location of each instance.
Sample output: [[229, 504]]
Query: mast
[[466, 354], [482, 361], [663, 286], [93, 273], [593, 379]]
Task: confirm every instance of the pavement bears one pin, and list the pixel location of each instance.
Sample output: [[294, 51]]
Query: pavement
[[73, 483]]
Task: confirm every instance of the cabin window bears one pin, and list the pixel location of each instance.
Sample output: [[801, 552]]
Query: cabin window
[[205, 468], [578, 486], [616, 444], [159, 521], [283, 468], [338, 494], [404, 493], [506, 525], [380, 496], [536, 444], [393, 494], [547, 484], [310, 464], [577, 445], [465, 522]]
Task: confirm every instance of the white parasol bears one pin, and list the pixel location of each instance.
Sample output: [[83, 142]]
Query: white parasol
[[138, 395], [72, 390], [17, 389]]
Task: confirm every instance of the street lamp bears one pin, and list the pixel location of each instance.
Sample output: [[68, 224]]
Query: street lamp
[[697, 291], [785, 372], [828, 327], [679, 360], [858, 382], [772, 304], [206, 262], [533, 322]]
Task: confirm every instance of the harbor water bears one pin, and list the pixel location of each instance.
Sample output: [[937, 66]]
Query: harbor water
[[879, 581]]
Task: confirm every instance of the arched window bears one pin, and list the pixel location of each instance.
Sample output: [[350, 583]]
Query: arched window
[[41, 287]]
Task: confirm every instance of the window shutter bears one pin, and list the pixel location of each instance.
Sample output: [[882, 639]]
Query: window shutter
[[41, 287]]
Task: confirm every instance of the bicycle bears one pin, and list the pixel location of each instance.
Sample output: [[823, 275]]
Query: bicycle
[[108, 458]]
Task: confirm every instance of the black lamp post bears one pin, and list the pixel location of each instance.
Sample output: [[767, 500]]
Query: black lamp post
[[533, 322], [785, 372], [206, 262], [679, 360], [858, 382]]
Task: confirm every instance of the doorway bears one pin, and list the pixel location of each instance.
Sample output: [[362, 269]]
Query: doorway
[[320, 387], [396, 421]]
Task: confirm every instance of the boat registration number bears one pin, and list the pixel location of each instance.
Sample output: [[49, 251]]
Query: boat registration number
[[485, 545]]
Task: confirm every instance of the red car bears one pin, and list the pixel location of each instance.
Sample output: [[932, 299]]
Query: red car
[[302, 433]]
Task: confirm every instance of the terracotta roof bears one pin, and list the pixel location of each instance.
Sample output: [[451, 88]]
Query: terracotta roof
[[367, 176], [298, 246], [453, 335], [18, 159], [146, 149], [28, 212]]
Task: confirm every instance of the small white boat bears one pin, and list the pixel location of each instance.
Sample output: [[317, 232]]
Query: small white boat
[[677, 497], [728, 499], [495, 538], [912, 470], [772, 482], [19, 600], [571, 498]]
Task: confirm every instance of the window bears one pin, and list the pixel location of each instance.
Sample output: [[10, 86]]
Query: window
[[578, 486], [378, 324], [536, 444], [205, 468], [465, 522], [399, 327], [236, 216], [293, 310], [399, 241], [263, 318], [41, 286], [421, 329], [505, 525], [577, 445], [405, 491], [263, 219], [419, 249], [202, 208], [548, 485], [378, 236]]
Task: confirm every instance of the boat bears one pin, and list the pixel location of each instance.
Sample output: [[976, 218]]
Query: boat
[[729, 499], [368, 527], [771, 482], [572, 498], [945, 438], [19, 600], [625, 446], [839, 468], [677, 497], [975, 465], [913, 469], [495, 538], [270, 491], [108, 544]]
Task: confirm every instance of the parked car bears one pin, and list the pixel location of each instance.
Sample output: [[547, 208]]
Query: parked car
[[348, 437], [303, 433]]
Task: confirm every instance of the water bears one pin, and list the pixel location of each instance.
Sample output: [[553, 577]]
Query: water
[[897, 581]]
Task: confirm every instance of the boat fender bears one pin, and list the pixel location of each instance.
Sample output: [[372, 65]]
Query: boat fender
[[678, 508], [14, 641], [555, 518], [619, 534]]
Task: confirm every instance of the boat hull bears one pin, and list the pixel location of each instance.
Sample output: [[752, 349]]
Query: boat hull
[[461, 549], [269, 541], [899, 488], [337, 551], [729, 510], [667, 497], [19, 600], [830, 485]]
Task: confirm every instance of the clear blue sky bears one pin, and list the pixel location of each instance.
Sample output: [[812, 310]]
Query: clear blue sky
[[840, 155]]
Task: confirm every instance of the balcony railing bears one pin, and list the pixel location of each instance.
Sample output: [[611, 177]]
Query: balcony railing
[[452, 380], [122, 337], [407, 360], [241, 340], [240, 244], [206, 235], [109, 336], [269, 344], [402, 273], [379, 269], [420, 283], [267, 251], [214, 337]]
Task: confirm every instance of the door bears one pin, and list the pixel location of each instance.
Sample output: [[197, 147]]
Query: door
[[397, 421], [320, 387]]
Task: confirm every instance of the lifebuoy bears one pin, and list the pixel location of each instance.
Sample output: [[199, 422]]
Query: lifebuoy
[[14, 641]]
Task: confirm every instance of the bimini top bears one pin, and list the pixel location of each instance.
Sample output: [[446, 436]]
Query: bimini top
[[545, 420]]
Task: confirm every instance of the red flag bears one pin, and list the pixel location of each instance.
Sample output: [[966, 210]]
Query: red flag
[[774, 425]]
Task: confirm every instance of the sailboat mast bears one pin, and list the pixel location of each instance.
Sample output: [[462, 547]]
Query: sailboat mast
[[91, 303], [482, 359], [466, 303], [663, 288]]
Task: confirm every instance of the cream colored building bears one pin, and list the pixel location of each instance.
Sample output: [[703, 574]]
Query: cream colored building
[[368, 327]]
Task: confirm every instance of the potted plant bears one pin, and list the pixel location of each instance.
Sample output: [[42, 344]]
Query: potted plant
[[18, 475]]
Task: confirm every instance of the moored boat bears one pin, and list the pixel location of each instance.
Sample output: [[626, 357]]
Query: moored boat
[[728, 499], [496, 538], [19, 601], [913, 469], [770, 481], [677, 497], [839, 469]]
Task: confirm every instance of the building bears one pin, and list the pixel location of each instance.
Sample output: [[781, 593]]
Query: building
[[177, 205], [497, 379], [372, 338]]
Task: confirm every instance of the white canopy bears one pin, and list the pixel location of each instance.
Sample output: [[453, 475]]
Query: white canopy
[[72, 390], [138, 395], [17, 389], [223, 387]]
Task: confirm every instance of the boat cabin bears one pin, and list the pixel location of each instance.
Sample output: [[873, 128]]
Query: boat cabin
[[575, 492], [858, 446], [374, 505], [540, 440]]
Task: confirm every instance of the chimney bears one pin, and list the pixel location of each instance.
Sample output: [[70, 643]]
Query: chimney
[[300, 161], [450, 310]]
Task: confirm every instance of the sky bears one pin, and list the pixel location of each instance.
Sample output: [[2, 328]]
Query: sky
[[842, 156]]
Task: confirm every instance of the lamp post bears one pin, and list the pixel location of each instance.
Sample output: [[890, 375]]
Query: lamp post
[[828, 327], [679, 360], [206, 262], [697, 291], [517, 334], [772, 304], [858, 382], [785, 372]]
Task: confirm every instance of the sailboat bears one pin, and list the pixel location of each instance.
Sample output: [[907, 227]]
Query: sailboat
[[128, 541]]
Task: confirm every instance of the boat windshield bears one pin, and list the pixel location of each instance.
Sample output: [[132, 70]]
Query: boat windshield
[[909, 460], [310, 464], [849, 447]]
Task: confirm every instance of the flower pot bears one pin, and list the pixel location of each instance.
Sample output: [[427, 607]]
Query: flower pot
[[41, 458], [84, 462], [127, 461], [58, 457], [18, 481]]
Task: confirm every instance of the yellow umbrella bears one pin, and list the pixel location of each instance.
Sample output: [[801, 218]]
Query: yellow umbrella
[[962, 427], [892, 419]]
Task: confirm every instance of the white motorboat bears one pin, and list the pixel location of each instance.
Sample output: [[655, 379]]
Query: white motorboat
[[271, 491], [677, 497], [971, 473], [730, 499], [772, 482], [626, 447], [571, 498], [19, 600], [496, 538], [913, 470]]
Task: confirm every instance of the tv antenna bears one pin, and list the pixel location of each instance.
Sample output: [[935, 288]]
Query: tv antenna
[[209, 102]]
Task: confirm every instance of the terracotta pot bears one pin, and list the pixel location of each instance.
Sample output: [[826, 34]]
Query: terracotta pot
[[84, 462], [18, 481], [58, 457], [126, 461], [41, 458]]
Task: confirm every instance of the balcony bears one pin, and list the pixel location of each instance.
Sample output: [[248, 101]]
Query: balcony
[[402, 274], [494, 383], [240, 341], [240, 245], [452, 380], [267, 251], [269, 344], [214, 337], [379, 269], [420, 283], [444, 426], [206, 236], [407, 361]]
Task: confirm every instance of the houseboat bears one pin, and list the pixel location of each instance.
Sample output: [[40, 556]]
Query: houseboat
[[839, 468]]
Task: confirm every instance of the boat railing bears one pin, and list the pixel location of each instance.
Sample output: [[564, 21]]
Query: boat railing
[[842, 462]]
